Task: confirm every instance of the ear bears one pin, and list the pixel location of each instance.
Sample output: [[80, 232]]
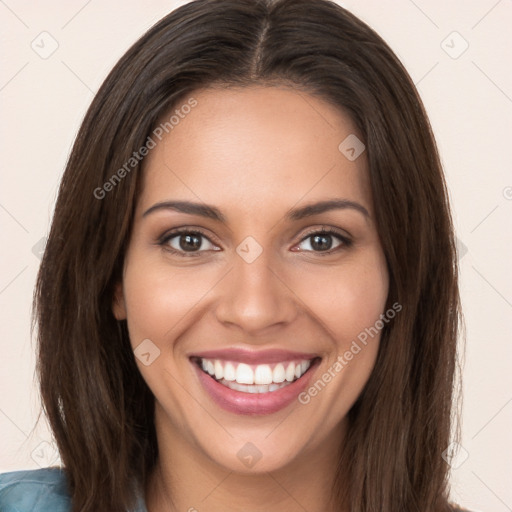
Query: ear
[[118, 304]]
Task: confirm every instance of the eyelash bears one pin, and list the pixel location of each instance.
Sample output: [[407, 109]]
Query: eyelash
[[164, 240]]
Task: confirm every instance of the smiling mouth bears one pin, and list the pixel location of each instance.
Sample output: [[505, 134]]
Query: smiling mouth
[[254, 379]]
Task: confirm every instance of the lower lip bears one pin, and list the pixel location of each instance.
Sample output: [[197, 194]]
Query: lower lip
[[253, 403]]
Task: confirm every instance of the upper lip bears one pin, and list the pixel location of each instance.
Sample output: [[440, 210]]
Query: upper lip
[[255, 356]]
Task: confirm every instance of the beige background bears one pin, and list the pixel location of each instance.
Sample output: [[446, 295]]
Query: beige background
[[468, 95]]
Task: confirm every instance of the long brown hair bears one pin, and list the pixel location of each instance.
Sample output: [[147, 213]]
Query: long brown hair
[[98, 405]]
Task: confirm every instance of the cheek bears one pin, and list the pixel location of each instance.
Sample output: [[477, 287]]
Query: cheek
[[159, 299], [350, 307], [348, 299], [160, 303]]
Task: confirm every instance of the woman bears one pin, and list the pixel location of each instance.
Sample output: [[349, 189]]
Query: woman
[[249, 298]]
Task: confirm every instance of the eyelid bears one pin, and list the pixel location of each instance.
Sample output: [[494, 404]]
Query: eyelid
[[185, 229], [326, 229]]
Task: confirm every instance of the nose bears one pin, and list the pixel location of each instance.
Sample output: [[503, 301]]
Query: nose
[[256, 297]]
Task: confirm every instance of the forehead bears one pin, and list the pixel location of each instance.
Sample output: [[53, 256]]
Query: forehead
[[256, 145]]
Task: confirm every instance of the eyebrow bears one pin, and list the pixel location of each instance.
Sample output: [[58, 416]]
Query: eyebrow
[[212, 212]]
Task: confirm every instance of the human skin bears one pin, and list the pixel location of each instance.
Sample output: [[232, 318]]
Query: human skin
[[254, 153]]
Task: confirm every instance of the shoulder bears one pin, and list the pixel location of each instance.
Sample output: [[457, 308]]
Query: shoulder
[[38, 490]]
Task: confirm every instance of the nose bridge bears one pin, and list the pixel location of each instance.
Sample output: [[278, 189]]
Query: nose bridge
[[254, 296]]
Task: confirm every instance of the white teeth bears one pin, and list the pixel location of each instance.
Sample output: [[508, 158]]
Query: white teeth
[[304, 365], [262, 388], [259, 376], [278, 374], [235, 386], [290, 372], [263, 374], [219, 370], [229, 372], [244, 374]]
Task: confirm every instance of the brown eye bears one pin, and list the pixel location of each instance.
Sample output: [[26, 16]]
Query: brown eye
[[322, 241], [187, 241]]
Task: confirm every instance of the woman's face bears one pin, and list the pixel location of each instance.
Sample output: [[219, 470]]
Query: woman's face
[[250, 289]]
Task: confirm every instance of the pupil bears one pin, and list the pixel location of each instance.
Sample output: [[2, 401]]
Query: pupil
[[192, 240], [321, 242]]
